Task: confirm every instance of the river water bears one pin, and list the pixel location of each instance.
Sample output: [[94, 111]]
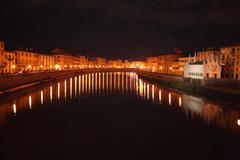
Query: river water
[[116, 115]]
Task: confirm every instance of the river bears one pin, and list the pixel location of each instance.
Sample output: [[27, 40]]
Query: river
[[116, 115]]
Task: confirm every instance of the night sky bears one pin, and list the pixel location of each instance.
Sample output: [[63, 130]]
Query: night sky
[[119, 28]]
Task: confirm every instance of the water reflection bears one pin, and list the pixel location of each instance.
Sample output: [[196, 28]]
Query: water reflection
[[41, 97], [30, 102], [122, 83], [14, 109], [58, 90]]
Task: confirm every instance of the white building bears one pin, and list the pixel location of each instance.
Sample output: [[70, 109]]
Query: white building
[[202, 69]]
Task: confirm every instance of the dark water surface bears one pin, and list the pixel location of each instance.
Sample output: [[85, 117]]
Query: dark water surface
[[116, 115]]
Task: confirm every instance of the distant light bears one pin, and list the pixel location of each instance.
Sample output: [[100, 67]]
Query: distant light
[[238, 122], [14, 109], [13, 66]]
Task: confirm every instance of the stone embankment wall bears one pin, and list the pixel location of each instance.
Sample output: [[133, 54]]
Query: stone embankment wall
[[207, 87]]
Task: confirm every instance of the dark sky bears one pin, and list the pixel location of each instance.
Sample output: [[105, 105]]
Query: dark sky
[[119, 28]]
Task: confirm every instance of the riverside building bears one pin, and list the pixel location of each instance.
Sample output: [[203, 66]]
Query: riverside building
[[230, 61]]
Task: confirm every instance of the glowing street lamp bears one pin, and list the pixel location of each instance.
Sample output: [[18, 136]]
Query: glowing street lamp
[[57, 67], [13, 66]]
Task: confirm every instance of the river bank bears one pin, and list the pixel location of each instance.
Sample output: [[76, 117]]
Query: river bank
[[212, 88]]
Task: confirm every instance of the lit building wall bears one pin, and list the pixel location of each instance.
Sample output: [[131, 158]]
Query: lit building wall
[[26, 60], [1, 57], [208, 55], [9, 65], [230, 61], [45, 62], [83, 60]]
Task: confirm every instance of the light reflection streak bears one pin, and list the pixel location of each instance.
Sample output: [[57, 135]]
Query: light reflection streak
[[99, 83], [86, 88], [51, 96], [41, 97], [153, 90], [111, 82], [148, 92], [114, 80], [170, 99], [14, 109], [96, 83], [83, 84], [180, 101], [107, 82], [144, 90], [160, 96], [92, 85], [89, 83], [65, 89], [58, 90], [79, 85], [75, 86], [70, 90], [30, 102], [123, 90], [103, 82], [118, 81]]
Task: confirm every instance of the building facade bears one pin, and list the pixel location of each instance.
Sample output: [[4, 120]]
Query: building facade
[[7, 60], [62, 59], [230, 61], [45, 62], [202, 69], [26, 60]]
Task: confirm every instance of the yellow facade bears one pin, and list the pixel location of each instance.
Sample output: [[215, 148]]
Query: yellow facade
[[45, 62], [26, 60], [7, 61], [83, 61], [9, 65], [98, 62]]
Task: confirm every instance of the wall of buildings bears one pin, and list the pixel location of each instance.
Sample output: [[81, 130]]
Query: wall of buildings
[[230, 61], [26, 60], [7, 60]]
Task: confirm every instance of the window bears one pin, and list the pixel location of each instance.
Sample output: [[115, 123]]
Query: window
[[236, 76]]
